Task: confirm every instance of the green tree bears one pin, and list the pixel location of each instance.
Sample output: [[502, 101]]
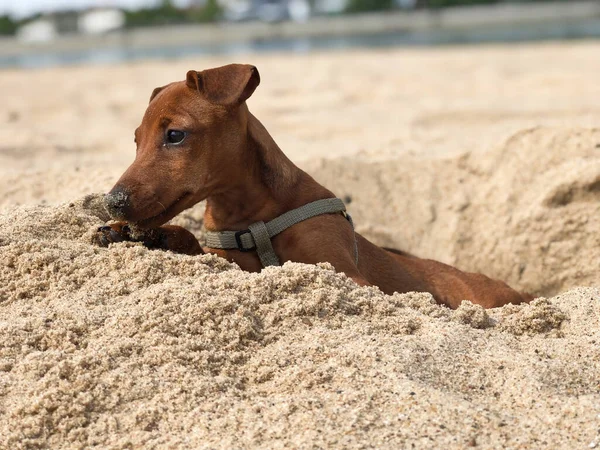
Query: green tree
[[356, 6], [209, 13], [7, 26], [167, 14]]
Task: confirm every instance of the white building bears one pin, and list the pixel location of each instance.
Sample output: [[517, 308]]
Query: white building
[[40, 30], [101, 21]]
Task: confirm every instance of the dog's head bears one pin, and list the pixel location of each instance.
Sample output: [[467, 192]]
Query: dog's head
[[187, 145]]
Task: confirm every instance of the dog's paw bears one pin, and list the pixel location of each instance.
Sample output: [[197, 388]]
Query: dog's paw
[[113, 233]]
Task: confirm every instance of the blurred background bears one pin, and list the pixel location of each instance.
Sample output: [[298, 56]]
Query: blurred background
[[36, 33]]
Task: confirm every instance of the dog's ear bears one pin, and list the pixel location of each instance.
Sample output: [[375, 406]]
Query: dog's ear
[[155, 92], [229, 85]]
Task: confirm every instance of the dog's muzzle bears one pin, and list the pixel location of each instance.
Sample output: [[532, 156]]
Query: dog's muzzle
[[116, 202]]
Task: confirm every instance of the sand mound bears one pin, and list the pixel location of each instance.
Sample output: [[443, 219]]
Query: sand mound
[[126, 347], [473, 156], [525, 212]]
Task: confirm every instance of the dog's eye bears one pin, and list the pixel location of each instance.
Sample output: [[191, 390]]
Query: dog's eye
[[175, 136]]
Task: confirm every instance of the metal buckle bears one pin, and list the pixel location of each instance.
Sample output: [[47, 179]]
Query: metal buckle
[[238, 241]]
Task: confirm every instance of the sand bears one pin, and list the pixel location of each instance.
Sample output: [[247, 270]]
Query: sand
[[482, 157]]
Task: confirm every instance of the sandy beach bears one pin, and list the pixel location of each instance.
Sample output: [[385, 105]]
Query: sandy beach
[[484, 157]]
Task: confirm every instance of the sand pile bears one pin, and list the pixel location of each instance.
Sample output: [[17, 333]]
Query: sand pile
[[483, 157], [525, 212], [125, 347]]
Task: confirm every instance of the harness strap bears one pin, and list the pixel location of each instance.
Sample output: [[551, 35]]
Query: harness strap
[[264, 247], [258, 235]]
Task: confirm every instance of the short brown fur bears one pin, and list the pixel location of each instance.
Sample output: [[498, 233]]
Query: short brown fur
[[229, 159]]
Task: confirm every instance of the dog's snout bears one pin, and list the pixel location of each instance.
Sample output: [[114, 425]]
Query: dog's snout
[[116, 202]]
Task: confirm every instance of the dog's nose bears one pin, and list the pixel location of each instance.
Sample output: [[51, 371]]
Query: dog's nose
[[116, 202]]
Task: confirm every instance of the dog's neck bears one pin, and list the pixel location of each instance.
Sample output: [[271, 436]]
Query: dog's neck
[[268, 185]]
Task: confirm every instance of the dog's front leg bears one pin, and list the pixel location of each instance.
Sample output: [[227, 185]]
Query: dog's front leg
[[360, 280], [167, 237]]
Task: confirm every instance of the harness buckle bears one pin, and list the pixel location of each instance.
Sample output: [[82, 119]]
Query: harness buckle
[[238, 241]]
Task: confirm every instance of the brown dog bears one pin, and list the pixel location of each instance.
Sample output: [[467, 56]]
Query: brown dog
[[198, 141]]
